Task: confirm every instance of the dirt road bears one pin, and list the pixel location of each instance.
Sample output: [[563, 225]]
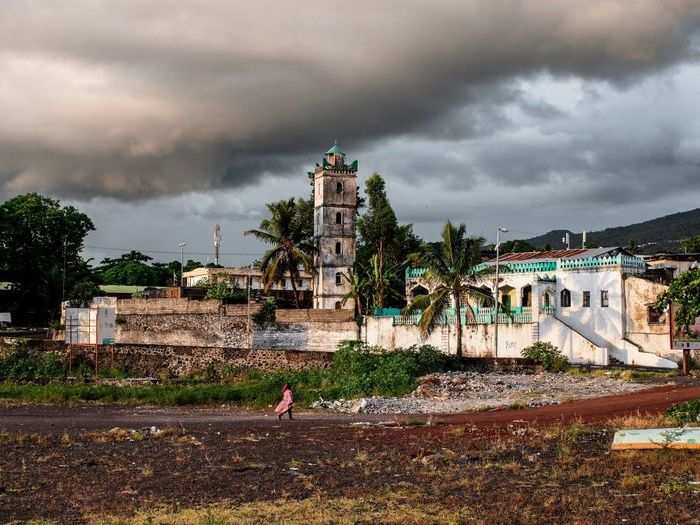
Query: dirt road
[[49, 419]]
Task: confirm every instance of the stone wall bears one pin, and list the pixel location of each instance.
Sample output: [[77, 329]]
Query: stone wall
[[181, 322], [177, 361]]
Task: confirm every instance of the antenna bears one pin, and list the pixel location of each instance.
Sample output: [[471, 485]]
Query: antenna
[[583, 239], [217, 243]]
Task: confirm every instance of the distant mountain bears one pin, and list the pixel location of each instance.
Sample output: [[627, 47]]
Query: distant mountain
[[662, 234]]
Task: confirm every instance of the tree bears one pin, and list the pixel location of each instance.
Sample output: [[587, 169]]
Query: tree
[[684, 294], [40, 245], [380, 234], [451, 271], [517, 246], [286, 231], [632, 246], [358, 285], [132, 269], [691, 245]]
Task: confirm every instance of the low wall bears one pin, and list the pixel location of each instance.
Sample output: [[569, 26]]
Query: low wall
[[477, 340]]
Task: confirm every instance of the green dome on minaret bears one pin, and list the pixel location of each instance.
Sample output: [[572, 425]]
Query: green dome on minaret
[[335, 150]]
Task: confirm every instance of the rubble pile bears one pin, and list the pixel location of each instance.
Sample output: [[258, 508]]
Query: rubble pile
[[463, 391]]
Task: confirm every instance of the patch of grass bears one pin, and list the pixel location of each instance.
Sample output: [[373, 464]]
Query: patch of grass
[[640, 420], [358, 370], [399, 508]]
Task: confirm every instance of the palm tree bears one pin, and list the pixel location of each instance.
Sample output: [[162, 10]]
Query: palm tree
[[451, 271], [291, 248], [381, 281], [358, 284]]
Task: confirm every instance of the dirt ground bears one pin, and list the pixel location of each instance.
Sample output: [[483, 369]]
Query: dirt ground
[[526, 466]]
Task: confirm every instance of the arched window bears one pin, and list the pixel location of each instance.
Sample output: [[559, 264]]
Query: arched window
[[339, 187], [338, 248], [338, 218], [565, 301], [338, 279]]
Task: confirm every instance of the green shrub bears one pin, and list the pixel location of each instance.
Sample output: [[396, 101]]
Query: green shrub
[[547, 355], [267, 315], [24, 365], [685, 413]]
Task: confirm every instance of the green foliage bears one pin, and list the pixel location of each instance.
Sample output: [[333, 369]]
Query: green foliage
[[684, 294], [686, 413], [223, 291], [40, 245], [82, 293], [516, 246], [450, 268], [360, 370], [25, 365], [691, 245], [357, 370], [134, 269], [290, 236], [267, 315], [381, 237], [547, 355]]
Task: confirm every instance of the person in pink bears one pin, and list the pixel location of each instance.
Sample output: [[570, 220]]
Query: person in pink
[[286, 404]]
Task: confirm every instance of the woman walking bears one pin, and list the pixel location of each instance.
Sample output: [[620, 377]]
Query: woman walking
[[286, 404]]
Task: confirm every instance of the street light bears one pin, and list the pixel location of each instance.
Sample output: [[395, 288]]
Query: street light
[[182, 262], [499, 230]]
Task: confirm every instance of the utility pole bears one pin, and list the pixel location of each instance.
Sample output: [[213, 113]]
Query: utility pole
[[499, 230], [182, 262], [63, 278], [250, 284]]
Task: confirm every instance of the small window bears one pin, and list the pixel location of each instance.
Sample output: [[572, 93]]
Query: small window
[[655, 315], [338, 248], [339, 187], [339, 218], [300, 283], [604, 302], [338, 279], [283, 283], [338, 305], [565, 298], [586, 299]]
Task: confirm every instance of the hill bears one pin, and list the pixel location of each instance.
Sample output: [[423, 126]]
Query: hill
[[661, 234]]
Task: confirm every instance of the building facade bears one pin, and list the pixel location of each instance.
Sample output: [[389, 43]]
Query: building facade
[[243, 277], [595, 305], [335, 214]]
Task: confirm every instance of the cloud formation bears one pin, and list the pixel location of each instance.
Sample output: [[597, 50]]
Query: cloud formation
[[138, 99]]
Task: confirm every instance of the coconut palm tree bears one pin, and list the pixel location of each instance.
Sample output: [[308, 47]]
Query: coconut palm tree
[[358, 284], [291, 249], [451, 272]]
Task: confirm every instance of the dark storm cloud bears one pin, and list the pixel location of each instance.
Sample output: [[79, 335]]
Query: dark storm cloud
[[136, 99]]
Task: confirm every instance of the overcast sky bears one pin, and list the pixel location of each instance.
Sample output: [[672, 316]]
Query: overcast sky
[[161, 118]]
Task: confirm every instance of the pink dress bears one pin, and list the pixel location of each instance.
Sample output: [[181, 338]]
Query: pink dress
[[286, 402]]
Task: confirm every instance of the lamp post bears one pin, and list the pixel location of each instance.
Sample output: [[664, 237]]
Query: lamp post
[[499, 230], [182, 262]]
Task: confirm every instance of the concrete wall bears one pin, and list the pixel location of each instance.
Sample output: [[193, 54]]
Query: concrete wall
[[478, 340], [648, 336], [179, 322]]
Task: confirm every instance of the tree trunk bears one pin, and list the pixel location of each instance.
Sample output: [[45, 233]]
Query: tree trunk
[[358, 307], [458, 323], [296, 293]]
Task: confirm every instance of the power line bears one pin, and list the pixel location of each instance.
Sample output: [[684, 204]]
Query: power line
[[166, 252]]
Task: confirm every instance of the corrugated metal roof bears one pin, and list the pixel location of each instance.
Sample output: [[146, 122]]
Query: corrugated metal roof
[[552, 255]]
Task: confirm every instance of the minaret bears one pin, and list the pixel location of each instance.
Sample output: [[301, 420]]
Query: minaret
[[335, 211]]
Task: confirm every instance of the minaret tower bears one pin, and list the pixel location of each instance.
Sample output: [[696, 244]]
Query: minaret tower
[[335, 211]]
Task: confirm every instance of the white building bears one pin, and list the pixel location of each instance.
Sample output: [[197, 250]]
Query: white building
[[592, 304], [240, 277]]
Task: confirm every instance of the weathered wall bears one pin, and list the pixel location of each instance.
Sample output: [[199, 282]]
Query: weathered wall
[[650, 337], [477, 340], [180, 322]]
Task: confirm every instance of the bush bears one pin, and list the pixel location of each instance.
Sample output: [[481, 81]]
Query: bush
[[685, 413], [547, 355], [25, 366], [267, 315]]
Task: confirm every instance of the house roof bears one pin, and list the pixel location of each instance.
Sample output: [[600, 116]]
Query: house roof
[[123, 288], [553, 255]]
